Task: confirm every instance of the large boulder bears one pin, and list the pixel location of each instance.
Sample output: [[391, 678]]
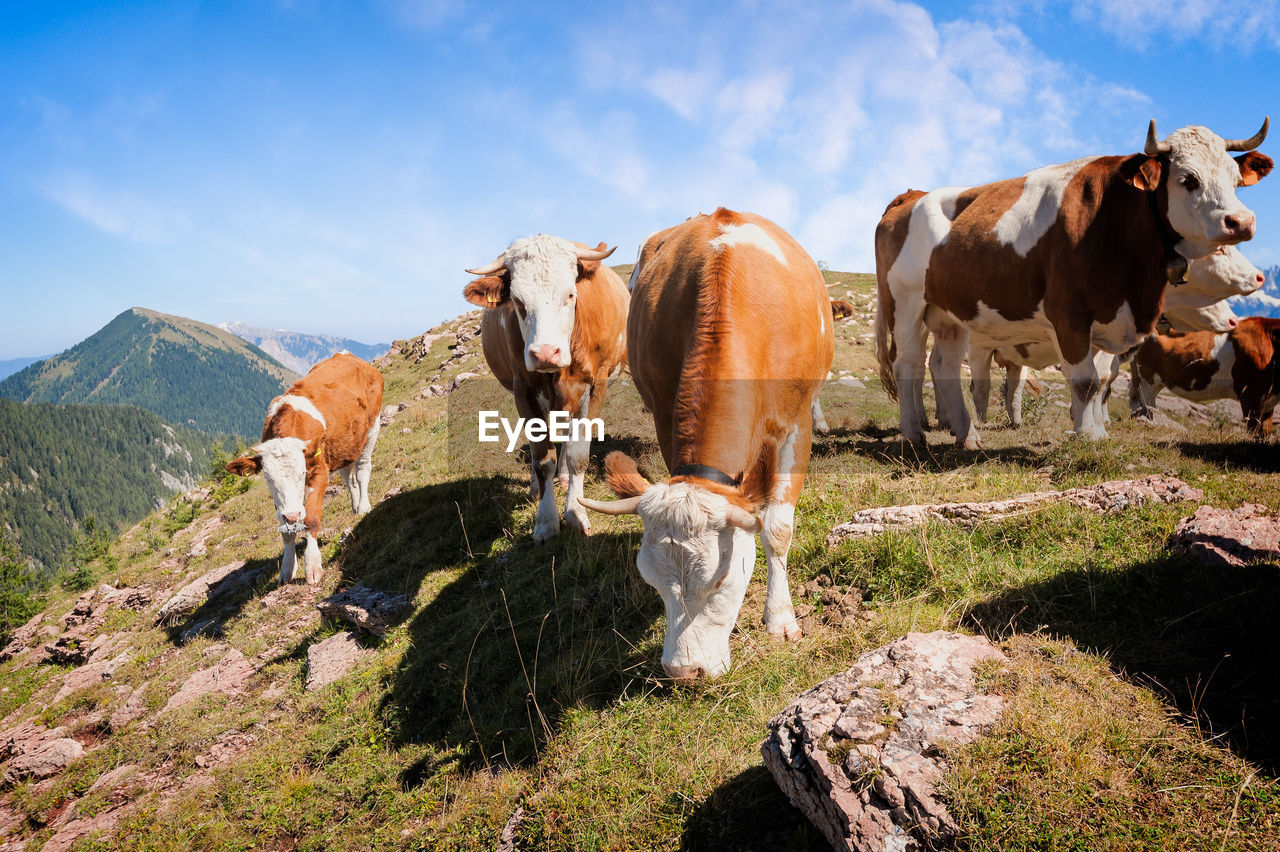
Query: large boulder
[[858, 753], [1227, 538]]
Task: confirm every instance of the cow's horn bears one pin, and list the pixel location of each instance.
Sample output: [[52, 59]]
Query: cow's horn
[[490, 268], [1154, 148], [612, 507], [743, 520], [1252, 142], [597, 253]]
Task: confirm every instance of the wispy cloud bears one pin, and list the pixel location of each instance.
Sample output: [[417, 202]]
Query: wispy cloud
[[1228, 27], [121, 212]]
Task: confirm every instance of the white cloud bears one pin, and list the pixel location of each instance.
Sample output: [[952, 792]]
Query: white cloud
[[119, 212], [1225, 26]]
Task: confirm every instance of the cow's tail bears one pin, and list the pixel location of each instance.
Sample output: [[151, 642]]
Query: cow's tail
[[841, 309], [886, 348]]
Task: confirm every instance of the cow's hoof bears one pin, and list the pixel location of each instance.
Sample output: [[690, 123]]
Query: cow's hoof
[[973, 442], [578, 522], [786, 630], [314, 576], [562, 482], [821, 428], [543, 533]]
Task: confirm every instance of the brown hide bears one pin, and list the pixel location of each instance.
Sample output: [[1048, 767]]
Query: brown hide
[[891, 233], [728, 347]]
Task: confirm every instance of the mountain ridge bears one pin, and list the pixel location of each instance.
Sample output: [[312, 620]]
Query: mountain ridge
[[300, 351]]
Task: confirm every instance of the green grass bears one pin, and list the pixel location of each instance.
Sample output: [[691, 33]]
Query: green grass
[[1142, 693]]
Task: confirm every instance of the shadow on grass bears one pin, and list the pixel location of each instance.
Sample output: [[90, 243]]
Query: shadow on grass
[[1203, 638], [1253, 456], [512, 634], [916, 458], [252, 580], [749, 813]]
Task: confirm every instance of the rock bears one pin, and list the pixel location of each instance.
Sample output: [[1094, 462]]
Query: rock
[[134, 706], [228, 676], [329, 660], [210, 628], [228, 745], [220, 581], [77, 828], [851, 382], [1104, 498], [388, 414], [363, 607], [1226, 538], [21, 638], [26, 738], [91, 674], [46, 760], [858, 752]]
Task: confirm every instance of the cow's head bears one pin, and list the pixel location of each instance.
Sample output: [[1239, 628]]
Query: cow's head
[[283, 463], [539, 277], [1200, 304], [1200, 176], [698, 550]]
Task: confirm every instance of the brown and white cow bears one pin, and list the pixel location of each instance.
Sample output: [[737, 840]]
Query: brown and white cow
[[554, 335], [1205, 365], [730, 340], [327, 421], [1200, 304], [1078, 252]]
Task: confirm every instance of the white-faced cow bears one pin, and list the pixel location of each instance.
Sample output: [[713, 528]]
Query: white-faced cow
[[554, 335], [327, 421], [1205, 365], [1200, 304], [730, 340], [1079, 253]]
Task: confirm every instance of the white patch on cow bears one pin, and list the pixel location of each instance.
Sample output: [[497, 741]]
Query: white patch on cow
[[1220, 384], [749, 234], [285, 469], [1117, 336], [823, 310], [1199, 214], [931, 219], [297, 403], [991, 330], [700, 566], [1024, 224]]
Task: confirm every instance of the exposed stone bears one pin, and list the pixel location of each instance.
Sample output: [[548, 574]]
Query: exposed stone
[[388, 414], [21, 638], [851, 382], [228, 745], [44, 761], [329, 660], [75, 829], [27, 737], [1229, 537], [209, 628], [91, 674], [1104, 498], [220, 581], [365, 608], [858, 752], [228, 676], [134, 706]]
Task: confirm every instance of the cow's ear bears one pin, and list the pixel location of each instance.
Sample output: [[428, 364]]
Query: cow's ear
[[313, 452], [588, 267], [1142, 172], [245, 466], [623, 475], [487, 292], [1253, 167]]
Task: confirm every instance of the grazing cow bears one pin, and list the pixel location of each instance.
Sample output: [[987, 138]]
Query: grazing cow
[[1198, 305], [1079, 253], [725, 352], [327, 421], [1206, 365], [554, 334]]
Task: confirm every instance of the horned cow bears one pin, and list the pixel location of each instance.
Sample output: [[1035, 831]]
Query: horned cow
[[327, 421], [729, 342]]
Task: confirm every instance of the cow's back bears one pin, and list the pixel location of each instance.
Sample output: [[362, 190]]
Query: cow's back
[[347, 392], [728, 298]]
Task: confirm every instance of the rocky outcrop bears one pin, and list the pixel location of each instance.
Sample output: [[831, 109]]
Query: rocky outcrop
[[329, 660], [229, 675], [1227, 538], [41, 762], [1106, 497], [220, 581], [365, 608], [858, 753]]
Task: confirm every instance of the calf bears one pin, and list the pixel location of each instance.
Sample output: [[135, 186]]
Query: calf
[[327, 421], [725, 351], [554, 334], [1206, 365]]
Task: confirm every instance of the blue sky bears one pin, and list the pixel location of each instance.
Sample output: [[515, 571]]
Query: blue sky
[[332, 167]]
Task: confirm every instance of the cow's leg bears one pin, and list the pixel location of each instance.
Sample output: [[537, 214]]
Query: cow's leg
[[542, 455], [819, 421], [563, 473], [910, 336], [1143, 393], [353, 485], [778, 525], [1015, 379], [364, 470], [980, 381], [939, 401], [1108, 366], [317, 479], [311, 558], [288, 559], [578, 455], [1086, 386], [950, 343]]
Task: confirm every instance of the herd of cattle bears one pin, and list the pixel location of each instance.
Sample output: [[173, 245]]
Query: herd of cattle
[[726, 329]]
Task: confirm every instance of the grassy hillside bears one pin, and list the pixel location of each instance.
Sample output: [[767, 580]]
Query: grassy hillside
[[60, 464], [523, 686], [189, 373]]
